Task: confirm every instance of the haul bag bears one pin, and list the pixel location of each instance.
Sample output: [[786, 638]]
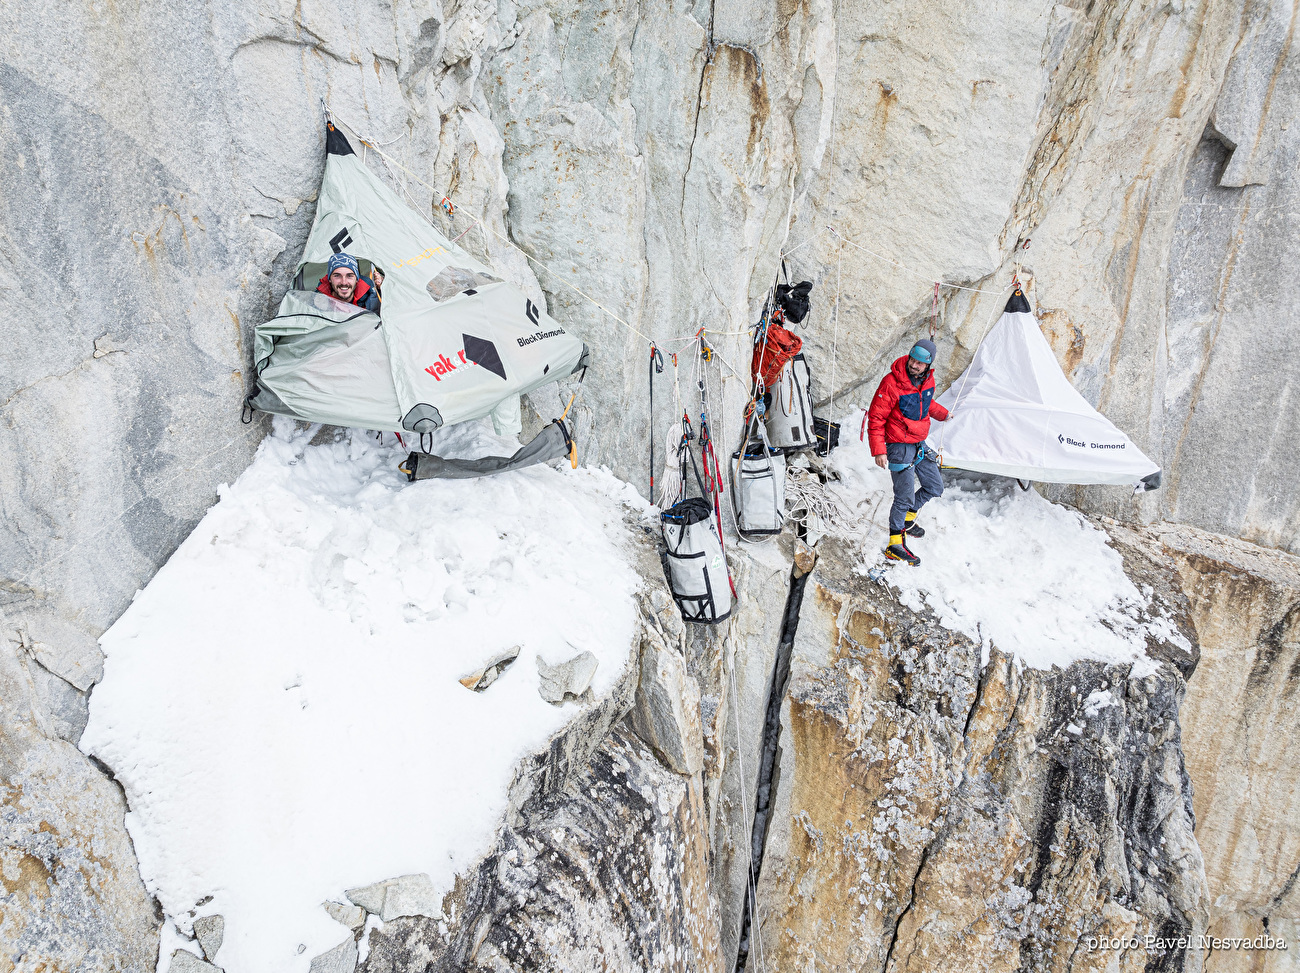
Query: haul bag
[[789, 415], [695, 565], [758, 487], [826, 434]]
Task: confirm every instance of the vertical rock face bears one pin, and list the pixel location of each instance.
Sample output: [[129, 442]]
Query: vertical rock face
[[70, 895], [1242, 739], [735, 666], [659, 156], [932, 816], [609, 873]]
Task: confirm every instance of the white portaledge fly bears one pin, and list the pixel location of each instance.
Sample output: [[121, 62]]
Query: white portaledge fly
[[455, 342], [1015, 413]]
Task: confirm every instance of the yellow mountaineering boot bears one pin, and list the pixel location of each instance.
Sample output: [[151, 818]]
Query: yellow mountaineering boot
[[910, 527], [897, 551]]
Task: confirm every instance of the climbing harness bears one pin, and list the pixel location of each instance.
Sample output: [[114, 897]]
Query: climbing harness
[[904, 467]]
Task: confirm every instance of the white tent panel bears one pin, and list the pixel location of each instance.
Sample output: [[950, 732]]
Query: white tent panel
[[452, 341], [1014, 413]]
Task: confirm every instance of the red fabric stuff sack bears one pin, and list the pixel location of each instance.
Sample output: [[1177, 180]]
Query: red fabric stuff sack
[[779, 347]]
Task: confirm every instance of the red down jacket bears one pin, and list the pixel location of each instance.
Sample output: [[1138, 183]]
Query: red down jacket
[[900, 412], [778, 347]]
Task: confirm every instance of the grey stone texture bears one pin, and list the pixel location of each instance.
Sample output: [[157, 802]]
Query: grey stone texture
[[210, 931], [933, 813], [184, 961], [566, 680], [341, 959], [70, 895], [162, 166], [609, 872]]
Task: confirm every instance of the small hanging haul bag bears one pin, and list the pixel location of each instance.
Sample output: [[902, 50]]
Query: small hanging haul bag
[[789, 417], [694, 562], [697, 570], [826, 434], [758, 486]]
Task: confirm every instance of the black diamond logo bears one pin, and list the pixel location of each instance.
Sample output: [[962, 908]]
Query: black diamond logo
[[1060, 438], [340, 240], [484, 354]]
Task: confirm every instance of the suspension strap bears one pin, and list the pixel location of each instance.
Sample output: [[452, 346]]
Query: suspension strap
[[934, 311], [713, 477], [656, 365]]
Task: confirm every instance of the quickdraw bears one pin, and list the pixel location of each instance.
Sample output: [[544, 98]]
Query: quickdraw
[[447, 206]]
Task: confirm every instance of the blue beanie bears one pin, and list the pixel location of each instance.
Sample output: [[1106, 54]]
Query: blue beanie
[[343, 260], [923, 351]]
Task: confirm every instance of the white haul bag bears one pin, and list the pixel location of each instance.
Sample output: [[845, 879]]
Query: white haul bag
[[758, 486], [694, 563], [789, 418]]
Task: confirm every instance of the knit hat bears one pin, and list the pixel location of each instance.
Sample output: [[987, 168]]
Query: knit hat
[[343, 260], [923, 351]]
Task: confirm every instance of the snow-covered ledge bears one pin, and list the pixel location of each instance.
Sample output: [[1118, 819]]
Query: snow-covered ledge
[[283, 707]]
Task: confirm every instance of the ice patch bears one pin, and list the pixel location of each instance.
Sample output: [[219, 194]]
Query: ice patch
[[282, 701]]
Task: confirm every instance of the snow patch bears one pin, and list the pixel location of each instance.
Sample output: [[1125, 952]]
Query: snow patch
[[281, 702], [1004, 567], [1096, 701]]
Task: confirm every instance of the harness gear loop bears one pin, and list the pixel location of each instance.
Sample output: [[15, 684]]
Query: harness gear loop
[[904, 467], [424, 448], [246, 413]]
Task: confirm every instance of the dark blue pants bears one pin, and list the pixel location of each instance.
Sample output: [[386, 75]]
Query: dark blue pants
[[906, 495]]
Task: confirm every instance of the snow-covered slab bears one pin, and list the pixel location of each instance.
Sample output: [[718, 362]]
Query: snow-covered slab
[[1004, 567], [282, 701]]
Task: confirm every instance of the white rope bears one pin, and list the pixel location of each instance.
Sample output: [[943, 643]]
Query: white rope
[[744, 811], [835, 341], [726, 455], [786, 253], [674, 473], [804, 491]]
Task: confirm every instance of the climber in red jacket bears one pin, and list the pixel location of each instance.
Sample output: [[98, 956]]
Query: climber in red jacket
[[896, 427]]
